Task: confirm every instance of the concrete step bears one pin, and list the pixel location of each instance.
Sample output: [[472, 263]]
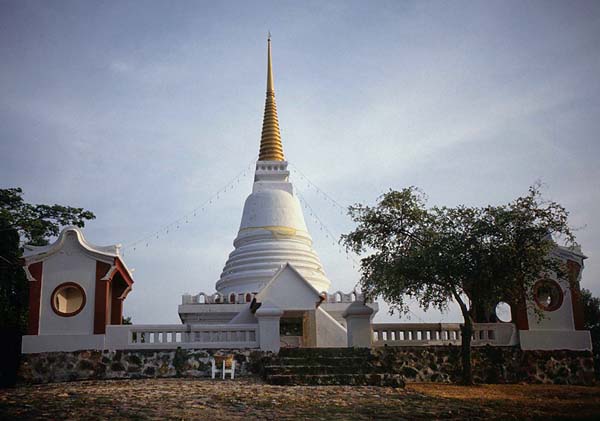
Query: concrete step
[[370, 379], [326, 366]]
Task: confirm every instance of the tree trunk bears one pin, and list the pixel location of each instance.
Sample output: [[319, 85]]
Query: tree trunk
[[466, 331], [466, 335]]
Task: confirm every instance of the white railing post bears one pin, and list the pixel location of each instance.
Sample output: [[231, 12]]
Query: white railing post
[[268, 327], [358, 326]]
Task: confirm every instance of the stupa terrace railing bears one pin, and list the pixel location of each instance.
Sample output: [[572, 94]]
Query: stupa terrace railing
[[428, 334], [342, 297], [232, 336], [246, 297], [217, 298]]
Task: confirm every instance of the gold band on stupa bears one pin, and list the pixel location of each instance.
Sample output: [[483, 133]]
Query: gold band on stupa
[[271, 148]]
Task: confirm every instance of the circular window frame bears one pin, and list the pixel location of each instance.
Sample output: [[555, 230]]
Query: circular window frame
[[511, 319], [561, 295], [73, 313]]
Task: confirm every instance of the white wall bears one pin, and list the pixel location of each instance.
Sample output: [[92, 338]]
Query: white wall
[[329, 332], [71, 264], [560, 319], [33, 344], [576, 340]]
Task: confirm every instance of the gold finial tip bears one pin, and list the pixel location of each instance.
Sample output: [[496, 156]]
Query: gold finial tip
[[270, 139]]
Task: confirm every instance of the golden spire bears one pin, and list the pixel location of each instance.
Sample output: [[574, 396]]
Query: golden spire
[[271, 148]]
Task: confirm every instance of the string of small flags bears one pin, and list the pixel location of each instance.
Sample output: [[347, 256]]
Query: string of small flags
[[343, 210], [185, 219], [326, 231]]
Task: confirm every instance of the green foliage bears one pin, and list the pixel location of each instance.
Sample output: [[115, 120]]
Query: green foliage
[[13, 282], [36, 223], [438, 254]]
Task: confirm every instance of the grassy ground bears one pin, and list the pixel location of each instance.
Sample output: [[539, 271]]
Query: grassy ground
[[183, 399]]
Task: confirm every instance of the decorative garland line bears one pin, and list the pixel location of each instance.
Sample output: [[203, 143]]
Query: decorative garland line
[[342, 209], [193, 213]]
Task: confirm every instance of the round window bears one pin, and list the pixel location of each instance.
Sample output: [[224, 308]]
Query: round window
[[548, 295], [68, 299], [503, 312]]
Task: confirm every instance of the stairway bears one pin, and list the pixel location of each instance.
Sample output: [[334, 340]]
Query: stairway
[[326, 366]]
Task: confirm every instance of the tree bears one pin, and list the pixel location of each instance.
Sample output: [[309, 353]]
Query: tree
[[13, 283], [463, 254], [13, 303], [37, 223], [25, 223], [591, 312]]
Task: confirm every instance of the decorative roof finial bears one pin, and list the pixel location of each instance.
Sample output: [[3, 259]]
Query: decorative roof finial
[[271, 148]]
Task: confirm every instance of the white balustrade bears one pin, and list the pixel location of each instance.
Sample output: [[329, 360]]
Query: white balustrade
[[424, 334], [184, 336]]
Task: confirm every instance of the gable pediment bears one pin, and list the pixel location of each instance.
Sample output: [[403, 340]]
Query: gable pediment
[[289, 290], [70, 240]]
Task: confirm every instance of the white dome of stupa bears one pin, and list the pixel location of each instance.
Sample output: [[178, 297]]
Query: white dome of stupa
[[272, 233], [272, 208]]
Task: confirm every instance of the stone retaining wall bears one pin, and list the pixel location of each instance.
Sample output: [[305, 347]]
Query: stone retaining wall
[[83, 365], [490, 364], [416, 364]]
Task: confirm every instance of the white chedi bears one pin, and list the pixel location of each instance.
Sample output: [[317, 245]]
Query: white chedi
[[272, 233]]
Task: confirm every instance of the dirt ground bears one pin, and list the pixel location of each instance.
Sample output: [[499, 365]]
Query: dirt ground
[[188, 399]]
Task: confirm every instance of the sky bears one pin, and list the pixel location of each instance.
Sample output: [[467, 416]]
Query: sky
[[142, 111]]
